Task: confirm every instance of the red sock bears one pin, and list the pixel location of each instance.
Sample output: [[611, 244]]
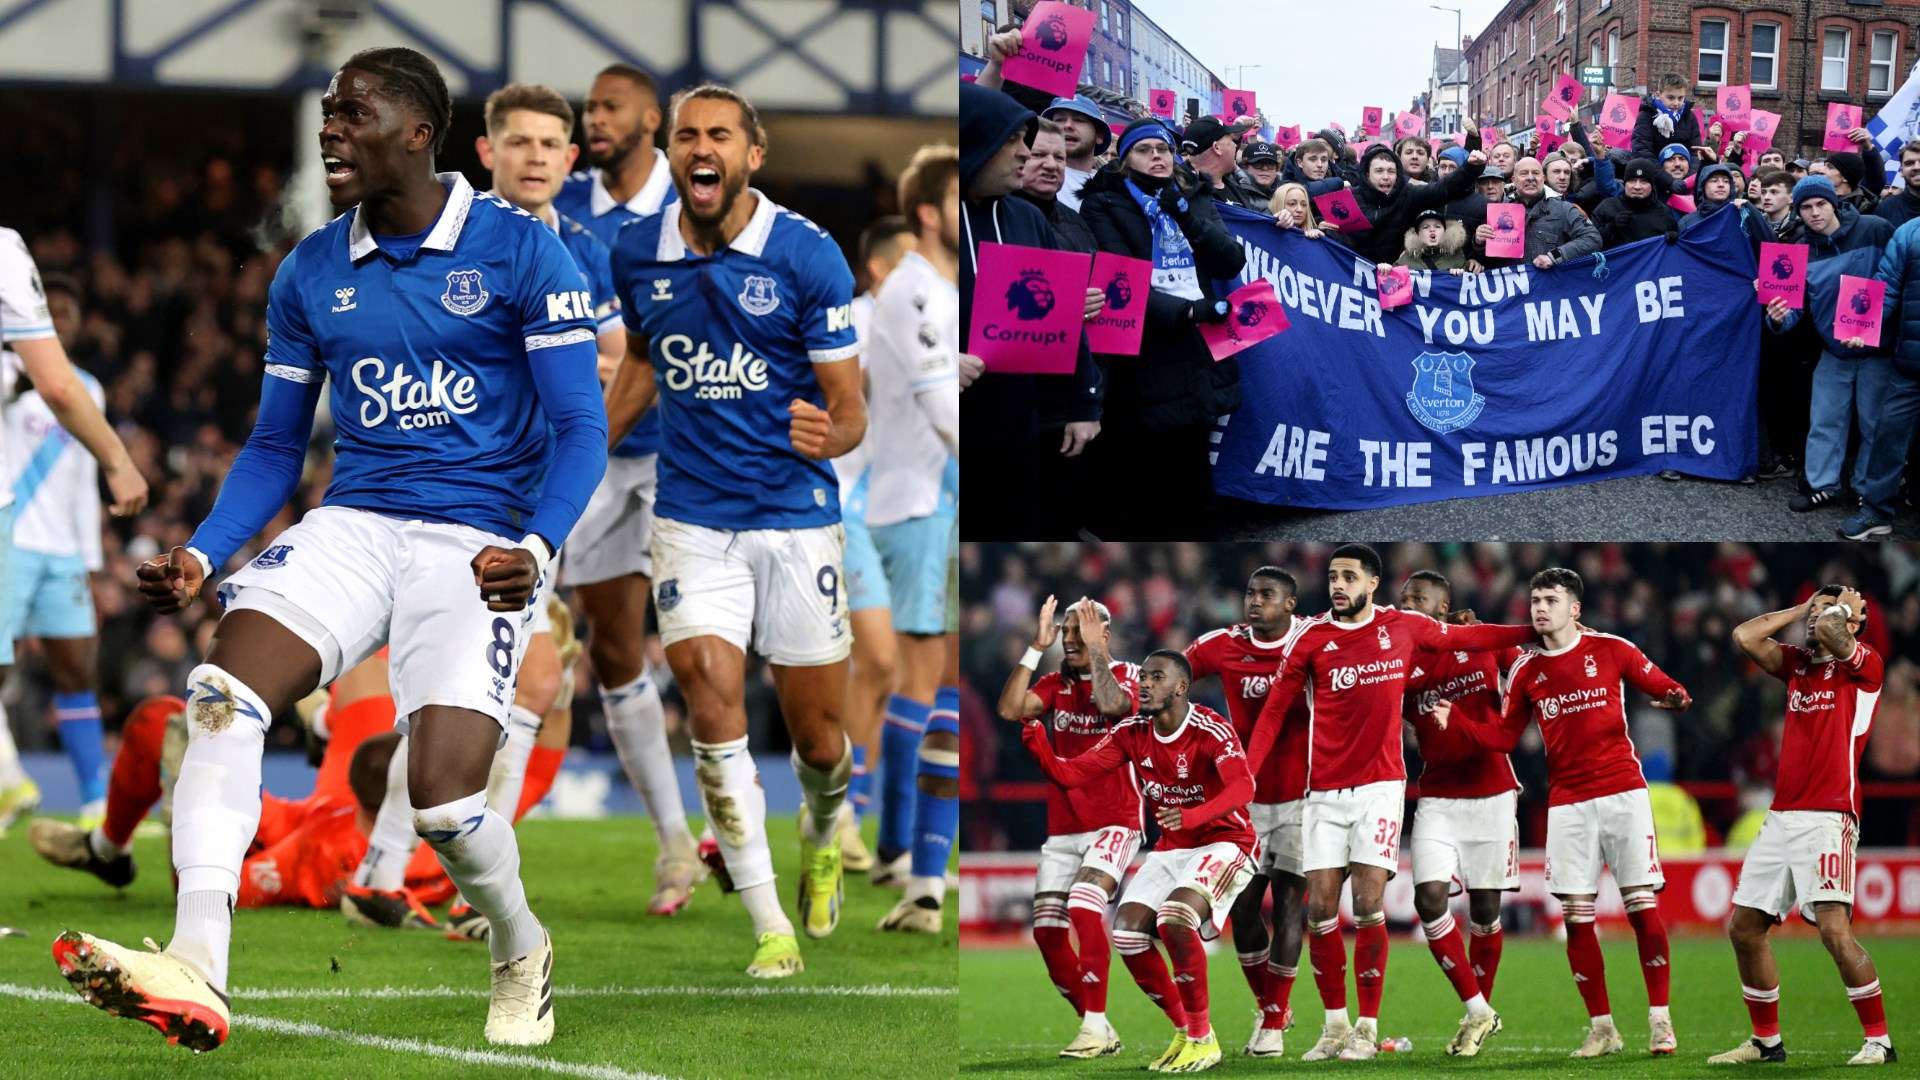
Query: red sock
[[1763, 1007], [1370, 964], [1150, 972], [1280, 979], [1088, 912], [1328, 952], [1651, 934], [542, 766], [1443, 940], [1190, 963], [1873, 1011], [134, 785], [1253, 965], [1483, 951], [1589, 968], [1054, 935]]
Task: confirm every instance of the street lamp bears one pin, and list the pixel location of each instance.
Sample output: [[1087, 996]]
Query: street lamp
[[1458, 31], [1240, 82]]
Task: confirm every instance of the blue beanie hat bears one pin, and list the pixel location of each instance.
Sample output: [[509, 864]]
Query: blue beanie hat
[[1141, 130], [1455, 154], [1674, 149], [1085, 107], [1814, 186]]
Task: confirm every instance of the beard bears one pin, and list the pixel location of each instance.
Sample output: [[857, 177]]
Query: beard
[[731, 186], [615, 155]]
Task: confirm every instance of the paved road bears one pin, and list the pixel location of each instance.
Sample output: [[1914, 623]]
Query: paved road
[[1636, 508]]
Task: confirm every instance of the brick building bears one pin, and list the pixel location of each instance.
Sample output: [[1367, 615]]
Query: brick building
[[1798, 55]]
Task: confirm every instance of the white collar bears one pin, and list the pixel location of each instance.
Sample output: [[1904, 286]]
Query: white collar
[[445, 233], [645, 201], [1292, 621], [1334, 621], [1564, 649], [751, 241]]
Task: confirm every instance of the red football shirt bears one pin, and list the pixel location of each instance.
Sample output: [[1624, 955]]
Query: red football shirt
[[1456, 766], [1068, 712], [1354, 676], [1578, 696], [1200, 770], [1830, 706], [1248, 668]]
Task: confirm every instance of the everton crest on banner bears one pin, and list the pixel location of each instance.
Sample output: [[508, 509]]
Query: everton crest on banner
[[1625, 363]]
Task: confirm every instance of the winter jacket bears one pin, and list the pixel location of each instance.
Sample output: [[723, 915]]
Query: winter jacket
[[1555, 227], [1174, 382], [1451, 254], [1647, 139], [1788, 230], [1622, 220], [1290, 174], [1899, 208], [1856, 230], [1755, 225], [1391, 212], [1069, 228], [1012, 406], [1238, 189], [1860, 246]]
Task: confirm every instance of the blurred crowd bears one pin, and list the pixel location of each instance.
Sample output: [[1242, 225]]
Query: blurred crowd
[[1678, 602]]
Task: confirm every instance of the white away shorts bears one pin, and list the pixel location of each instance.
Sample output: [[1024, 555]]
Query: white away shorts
[[778, 590], [1109, 850], [1613, 830], [1219, 871], [614, 532], [1353, 825], [1800, 858], [1277, 827], [1471, 843]]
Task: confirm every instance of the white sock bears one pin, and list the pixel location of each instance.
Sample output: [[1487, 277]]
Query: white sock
[[823, 793], [1337, 1017], [478, 850], [1604, 1020], [1883, 1040], [737, 809], [1477, 1005], [102, 847], [1367, 1023], [11, 774], [1768, 1040], [638, 725], [934, 887], [384, 867], [1094, 1018], [216, 808], [510, 764], [1658, 1012]]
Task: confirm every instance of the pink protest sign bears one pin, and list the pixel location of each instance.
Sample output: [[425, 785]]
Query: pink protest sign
[[1370, 120], [1286, 138], [1857, 314], [1053, 48], [1124, 283], [1734, 104], [1490, 137], [1339, 210], [1509, 221], [1544, 135], [1028, 304], [1256, 315], [1162, 103], [1237, 103], [1682, 203], [1460, 139], [1841, 118], [1617, 115], [1761, 126], [1409, 123], [1335, 125], [1562, 98], [1396, 288], [1783, 273]]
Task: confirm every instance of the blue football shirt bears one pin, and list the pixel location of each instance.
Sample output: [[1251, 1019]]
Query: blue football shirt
[[734, 337], [436, 416], [583, 196]]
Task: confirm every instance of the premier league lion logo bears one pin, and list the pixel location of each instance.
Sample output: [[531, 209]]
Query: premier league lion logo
[[1443, 398], [1030, 296], [1618, 114], [1339, 211], [1843, 120], [1052, 33], [1860, 302], [1240, 107], [1119, 291], [1782, 267], [1566, 94], [1733, 102], [1251, 314]]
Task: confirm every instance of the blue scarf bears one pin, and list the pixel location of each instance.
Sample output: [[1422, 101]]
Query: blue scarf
[[1173, 266], [1671, 114]]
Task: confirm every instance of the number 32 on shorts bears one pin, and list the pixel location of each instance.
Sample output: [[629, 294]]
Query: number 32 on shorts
[[1386, 836]]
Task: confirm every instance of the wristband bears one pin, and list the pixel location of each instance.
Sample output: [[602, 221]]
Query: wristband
[[542, 554], [206, 567], [1031, 659]]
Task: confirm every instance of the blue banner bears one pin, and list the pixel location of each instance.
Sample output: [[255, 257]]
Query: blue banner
[[1624, 363]]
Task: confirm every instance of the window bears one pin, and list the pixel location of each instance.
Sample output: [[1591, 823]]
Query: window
[[1533, 39], [1108, 83], [1593, 60], [1835, 46], [1881, 60], [1560, 14], [1613, 47], [1763, 67], [1712, 68]]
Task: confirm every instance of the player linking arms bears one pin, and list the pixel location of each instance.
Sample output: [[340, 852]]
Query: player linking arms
[[1193, 771], [454, 331], [1805, 849]]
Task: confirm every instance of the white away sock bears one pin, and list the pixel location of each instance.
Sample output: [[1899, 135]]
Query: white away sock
[[638, 725], [11, 774], [384, 867], [478, 850], [737, 809], [510, 764]]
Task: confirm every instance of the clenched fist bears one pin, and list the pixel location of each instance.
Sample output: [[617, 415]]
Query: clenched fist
[[170, 582]]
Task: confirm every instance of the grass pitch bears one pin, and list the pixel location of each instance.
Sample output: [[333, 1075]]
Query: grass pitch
[[1013, 1022], [634, 995]]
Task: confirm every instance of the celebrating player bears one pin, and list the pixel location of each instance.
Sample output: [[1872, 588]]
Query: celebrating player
[[1353, 664], [1247, 659], [610, 565], [1597, 805], [1465, 828], [1193, 771], [1093, 829], [738, 312], [913, 493], [1803, 855], [458, 338]]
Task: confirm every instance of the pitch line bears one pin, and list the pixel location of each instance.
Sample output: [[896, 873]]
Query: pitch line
[[388, 992], [380, 1042]]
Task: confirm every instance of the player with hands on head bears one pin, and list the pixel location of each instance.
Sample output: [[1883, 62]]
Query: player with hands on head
[[1803, 857], [1094, 828]]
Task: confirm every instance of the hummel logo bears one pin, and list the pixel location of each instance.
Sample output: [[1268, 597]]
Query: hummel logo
[[662, 288], [343, 299]]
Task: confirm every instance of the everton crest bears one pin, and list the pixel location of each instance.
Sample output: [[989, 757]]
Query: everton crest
[[466, 293], [757, 295], [1442, 398]]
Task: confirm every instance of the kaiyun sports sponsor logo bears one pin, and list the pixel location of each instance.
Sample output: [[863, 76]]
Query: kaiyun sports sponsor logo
[[1349, 676]]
